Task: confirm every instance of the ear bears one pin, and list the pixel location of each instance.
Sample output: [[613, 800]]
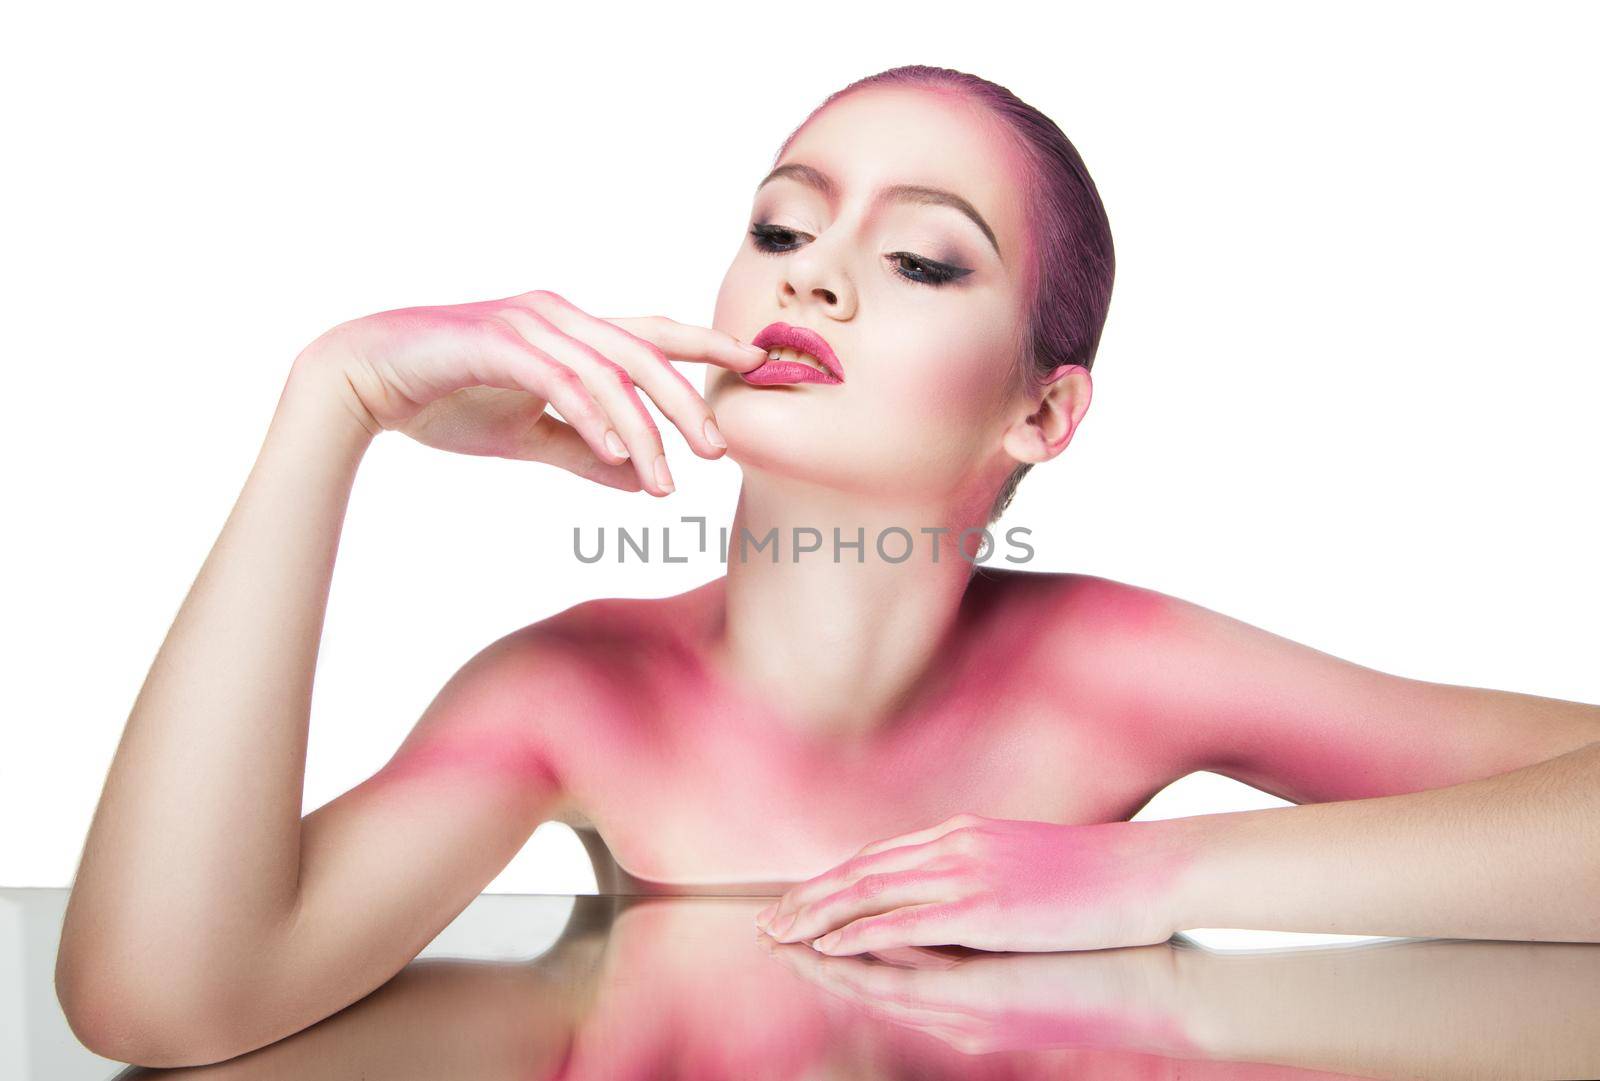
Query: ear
[[1045, 432]]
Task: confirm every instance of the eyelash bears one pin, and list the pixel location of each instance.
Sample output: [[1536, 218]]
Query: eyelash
[[936, 274]]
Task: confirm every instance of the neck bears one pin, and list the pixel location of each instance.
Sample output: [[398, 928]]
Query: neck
[[842, 636]]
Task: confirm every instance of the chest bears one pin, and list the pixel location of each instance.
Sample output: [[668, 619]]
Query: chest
[[700, 791]]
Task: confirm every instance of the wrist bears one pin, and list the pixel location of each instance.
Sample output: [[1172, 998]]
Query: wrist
[[318, 393], [1205, 1000], [1194, 846]]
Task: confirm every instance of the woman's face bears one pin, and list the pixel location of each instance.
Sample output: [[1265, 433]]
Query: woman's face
[[929, 369]]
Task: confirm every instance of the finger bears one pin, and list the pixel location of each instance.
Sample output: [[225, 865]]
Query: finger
[[798, 896], [646, 362], [866, 896], [870, 988], [969, 1035], [825, 971], [954, 822], [684, 341], [611, 385], [902, 991], [503, 358], [831, 879], [928, 924], [555, 441], [930, 965], [918, 957]]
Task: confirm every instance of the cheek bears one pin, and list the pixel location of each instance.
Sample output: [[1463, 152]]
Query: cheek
[[918, 421], [950, 386], [736, 307]]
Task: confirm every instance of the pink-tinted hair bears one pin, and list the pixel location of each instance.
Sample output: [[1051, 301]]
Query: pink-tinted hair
[[1071, 263]]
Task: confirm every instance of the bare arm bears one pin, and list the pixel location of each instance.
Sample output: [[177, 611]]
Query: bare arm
[[1429, 809], [1232, 698], [207, 918], [1515, 856], [486, 1021], [202, 908]]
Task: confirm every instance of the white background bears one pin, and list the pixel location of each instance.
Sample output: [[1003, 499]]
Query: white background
[[1346, 391]]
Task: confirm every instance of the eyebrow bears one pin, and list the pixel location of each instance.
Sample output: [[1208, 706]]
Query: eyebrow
[[903, 193]]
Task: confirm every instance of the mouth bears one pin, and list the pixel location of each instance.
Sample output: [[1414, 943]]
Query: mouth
[[794, 355]]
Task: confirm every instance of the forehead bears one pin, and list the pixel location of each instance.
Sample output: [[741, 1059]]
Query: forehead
[[902, 135]]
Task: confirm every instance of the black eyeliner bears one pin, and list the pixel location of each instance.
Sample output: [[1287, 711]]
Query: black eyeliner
[[936, 273]]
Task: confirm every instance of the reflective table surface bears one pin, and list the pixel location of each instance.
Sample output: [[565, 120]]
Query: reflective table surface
[[602, 987]]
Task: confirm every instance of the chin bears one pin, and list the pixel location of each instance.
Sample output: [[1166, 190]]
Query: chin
[[805, 433], [760, 441]]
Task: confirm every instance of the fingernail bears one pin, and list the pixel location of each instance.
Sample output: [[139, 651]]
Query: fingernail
[[714, 434], [663, 475], [753, 350], [615, 444], [766, 914], [826, 942]]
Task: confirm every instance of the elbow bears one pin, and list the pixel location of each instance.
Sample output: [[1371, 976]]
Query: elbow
[[142, 1025]]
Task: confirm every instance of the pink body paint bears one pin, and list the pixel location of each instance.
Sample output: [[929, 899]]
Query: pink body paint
[[1062, 698]]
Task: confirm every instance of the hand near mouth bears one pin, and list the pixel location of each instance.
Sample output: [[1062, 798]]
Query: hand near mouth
[[476, 379]]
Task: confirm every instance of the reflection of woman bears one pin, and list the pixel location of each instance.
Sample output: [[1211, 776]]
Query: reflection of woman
[[950, 756], [624, 993]]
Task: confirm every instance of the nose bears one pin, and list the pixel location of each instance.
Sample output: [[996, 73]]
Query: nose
[[815, 275]]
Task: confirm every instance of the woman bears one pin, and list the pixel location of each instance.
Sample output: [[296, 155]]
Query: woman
[[901, 750]]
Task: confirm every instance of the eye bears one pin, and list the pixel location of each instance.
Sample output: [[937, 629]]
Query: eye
[[775, 240], [925, 270], [772, 238]]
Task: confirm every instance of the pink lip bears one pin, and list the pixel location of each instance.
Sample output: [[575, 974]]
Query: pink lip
[[781, 335]]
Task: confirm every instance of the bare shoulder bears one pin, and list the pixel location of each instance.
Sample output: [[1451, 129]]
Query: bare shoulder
[[616, 639], [527, 687], [1102, 653], [596, 652], [1087, 608], [1221, 694]]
